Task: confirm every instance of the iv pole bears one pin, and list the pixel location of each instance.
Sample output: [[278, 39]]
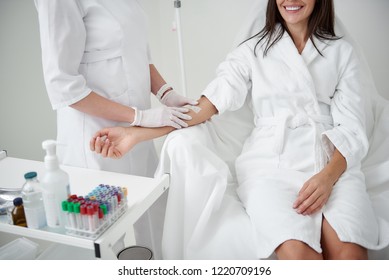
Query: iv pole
[[177, 6]]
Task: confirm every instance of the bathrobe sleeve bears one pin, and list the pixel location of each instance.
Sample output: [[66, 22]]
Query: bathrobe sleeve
[[229, 89], [347, 108], [63, 37]]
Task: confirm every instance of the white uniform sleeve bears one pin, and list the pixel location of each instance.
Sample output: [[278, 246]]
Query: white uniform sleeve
[[63, 39], [229, 89], [347, 109]]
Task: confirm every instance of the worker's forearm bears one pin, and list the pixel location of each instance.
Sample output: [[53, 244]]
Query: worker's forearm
[[102, 107], [156, 79]]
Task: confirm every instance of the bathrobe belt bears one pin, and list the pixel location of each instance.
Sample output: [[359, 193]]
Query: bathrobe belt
[[281, 123]]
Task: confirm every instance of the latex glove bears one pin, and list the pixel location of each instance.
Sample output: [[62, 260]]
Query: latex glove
[[173, 99], [162, 116]]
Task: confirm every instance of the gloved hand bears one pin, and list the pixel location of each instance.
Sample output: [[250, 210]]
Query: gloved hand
[[169, 97], [173, 99], [161, 116]]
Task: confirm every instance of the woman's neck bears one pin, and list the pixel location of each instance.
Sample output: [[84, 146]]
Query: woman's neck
[[299, 36]]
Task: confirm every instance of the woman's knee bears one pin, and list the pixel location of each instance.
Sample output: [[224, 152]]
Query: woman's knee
[[296, 250], [347, 251], [335, 249]]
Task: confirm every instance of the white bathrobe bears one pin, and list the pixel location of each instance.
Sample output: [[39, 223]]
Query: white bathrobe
[[304, 106]]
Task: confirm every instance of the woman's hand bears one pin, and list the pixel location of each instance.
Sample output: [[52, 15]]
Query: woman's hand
[[114, 142], [314, 194]]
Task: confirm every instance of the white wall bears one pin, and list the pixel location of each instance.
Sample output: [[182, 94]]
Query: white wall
[[26, 117], [209, 27], [368, 23]]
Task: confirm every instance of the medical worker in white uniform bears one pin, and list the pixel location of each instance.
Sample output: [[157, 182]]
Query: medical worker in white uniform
[[98, 73], [299, 172]]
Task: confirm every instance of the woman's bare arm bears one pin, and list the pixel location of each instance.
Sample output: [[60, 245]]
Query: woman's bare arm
[[114, 142]]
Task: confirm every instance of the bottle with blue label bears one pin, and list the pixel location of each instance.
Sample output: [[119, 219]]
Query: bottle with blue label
[[55, 185], [33, 201]]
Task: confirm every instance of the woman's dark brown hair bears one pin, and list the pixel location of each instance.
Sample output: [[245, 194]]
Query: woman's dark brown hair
[[321, 25]]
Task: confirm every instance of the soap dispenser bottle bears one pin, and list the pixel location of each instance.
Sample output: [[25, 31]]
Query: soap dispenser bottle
[[55, 185]]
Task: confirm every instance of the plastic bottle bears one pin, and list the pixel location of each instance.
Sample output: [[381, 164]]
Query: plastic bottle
[[33, 201], [55, 186], [18, 216]]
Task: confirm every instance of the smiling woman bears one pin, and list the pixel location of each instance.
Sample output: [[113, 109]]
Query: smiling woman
[[298, 22], [296, 17], [216, 225], [302, 21], [299, 172]]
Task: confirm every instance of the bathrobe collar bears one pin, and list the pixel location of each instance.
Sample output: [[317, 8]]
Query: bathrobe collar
[[286, 50]]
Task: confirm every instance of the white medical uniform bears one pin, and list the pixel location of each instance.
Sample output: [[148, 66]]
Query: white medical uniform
[[100, 46], [304, 106]]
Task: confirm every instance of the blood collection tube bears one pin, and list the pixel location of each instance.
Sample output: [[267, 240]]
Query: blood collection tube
[[103, 208], [77, 215], [96, 207], [84, 216], [125, 192], [114, 200], [101, 216], [119, 198], [109, 208], [65, 209], [91, 220], [72, 217]]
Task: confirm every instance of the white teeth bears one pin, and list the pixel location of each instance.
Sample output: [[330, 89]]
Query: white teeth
[[292, 8]]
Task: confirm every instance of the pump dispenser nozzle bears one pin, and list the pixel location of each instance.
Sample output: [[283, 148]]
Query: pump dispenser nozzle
[[51, 160]]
